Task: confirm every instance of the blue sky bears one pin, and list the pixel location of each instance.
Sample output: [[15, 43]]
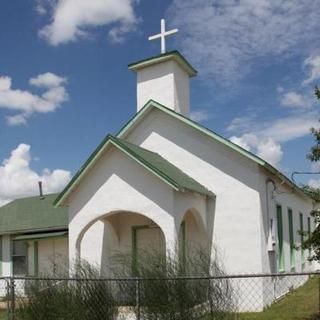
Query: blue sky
[[64, 80]]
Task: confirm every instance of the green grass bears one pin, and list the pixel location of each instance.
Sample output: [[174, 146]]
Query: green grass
[[302, 304], [3, 315]]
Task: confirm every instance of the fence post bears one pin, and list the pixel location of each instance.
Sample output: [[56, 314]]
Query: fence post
[[319, 294], [138, 298], [210, 298], [12, 298]]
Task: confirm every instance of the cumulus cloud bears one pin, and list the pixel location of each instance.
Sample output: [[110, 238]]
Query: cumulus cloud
[[224, 37], [17, 179], [265, 148], [265, 138], [47, 80], [200, 115], [27, 103], [72, 19]]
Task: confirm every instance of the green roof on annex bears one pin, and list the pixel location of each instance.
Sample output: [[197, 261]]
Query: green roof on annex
[[32, 214]]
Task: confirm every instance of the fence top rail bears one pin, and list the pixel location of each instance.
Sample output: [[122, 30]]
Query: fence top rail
[[232, 276]]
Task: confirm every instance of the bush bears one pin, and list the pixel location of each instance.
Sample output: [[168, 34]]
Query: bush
[[168, 289], [160, 289], [88, 299]]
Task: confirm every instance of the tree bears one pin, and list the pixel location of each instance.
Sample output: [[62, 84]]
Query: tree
[[313, 241]]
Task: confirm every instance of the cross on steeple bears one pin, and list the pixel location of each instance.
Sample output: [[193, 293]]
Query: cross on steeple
[[163, 34]]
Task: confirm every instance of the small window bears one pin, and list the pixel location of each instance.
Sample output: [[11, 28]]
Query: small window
[[309, 233], [19, 258], [301, 238], [280, 239], [291, 238]]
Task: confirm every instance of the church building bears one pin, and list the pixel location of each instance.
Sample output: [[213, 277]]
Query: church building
[[168, 183]]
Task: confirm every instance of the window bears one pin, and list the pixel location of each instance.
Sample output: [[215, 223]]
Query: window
[[309, 234], [301, 237], [19, 258], [280, 239], [291, 238]]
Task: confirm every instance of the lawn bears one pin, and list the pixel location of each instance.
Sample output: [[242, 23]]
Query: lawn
[[302, 304], [3, 315]]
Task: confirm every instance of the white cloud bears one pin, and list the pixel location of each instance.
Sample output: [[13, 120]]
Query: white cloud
[[27, 103], [265, 138], [47, 80], [200, 115], [270, 151], [313, 63], [72, 19], [17, 179], [223, 37], [293, 99], [265, 148]]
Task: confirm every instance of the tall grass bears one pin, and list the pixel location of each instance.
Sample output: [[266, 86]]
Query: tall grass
[[171, 288], [158, 288], [69, 299]]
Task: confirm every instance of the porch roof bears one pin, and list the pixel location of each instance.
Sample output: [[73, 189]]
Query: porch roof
[[32, 214], [152, 161], [164, 168]]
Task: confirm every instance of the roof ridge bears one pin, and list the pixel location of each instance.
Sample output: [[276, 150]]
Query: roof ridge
[[152, 103]]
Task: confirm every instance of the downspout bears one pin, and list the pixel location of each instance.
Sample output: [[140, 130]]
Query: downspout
[[270, 223]]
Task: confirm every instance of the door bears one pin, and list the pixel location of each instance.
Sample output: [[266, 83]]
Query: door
[[147, 243]]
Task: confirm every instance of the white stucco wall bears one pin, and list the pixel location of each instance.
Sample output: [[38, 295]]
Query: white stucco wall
[[6, 256], [112, 194], [53, 256], [240, 216], [232, 177], [287, 199], [166, 83]]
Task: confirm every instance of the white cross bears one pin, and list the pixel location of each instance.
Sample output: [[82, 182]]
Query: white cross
[[163, 34]]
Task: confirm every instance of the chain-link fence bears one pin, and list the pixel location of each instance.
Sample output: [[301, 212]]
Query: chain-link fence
[[260, 296]]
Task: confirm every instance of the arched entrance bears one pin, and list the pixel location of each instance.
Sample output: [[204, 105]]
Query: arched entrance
[[120, 240], [193, 238]]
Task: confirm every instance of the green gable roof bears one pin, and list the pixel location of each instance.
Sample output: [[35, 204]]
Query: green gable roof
[[153, 162], [32, 214], [153, 104], [163, 168], [138, 117]]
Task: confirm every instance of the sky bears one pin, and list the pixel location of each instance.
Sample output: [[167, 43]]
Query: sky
[[64, 82]]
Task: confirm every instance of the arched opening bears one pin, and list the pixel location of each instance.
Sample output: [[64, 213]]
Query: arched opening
[[193, 239], [120, 238]]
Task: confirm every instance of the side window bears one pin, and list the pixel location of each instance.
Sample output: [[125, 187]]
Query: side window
[[291, 238], [19, 258], [280, 239], [301, 237], [309, 234]]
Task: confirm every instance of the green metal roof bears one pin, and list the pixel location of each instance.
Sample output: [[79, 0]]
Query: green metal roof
[[153, 104], [32, 215], [175, 55], [138, 117], [163, 168], [150, 160]]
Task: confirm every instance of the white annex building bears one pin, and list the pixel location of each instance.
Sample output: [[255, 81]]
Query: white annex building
[[166, 182]]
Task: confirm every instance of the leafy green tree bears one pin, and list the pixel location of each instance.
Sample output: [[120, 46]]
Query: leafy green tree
[[313, 241]]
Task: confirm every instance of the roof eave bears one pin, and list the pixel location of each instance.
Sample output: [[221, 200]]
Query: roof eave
[[175, 55]]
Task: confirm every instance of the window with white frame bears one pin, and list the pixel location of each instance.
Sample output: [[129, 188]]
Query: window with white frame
[[20, 258]]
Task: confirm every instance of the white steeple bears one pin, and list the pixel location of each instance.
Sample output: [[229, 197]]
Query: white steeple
[[164, 78]]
